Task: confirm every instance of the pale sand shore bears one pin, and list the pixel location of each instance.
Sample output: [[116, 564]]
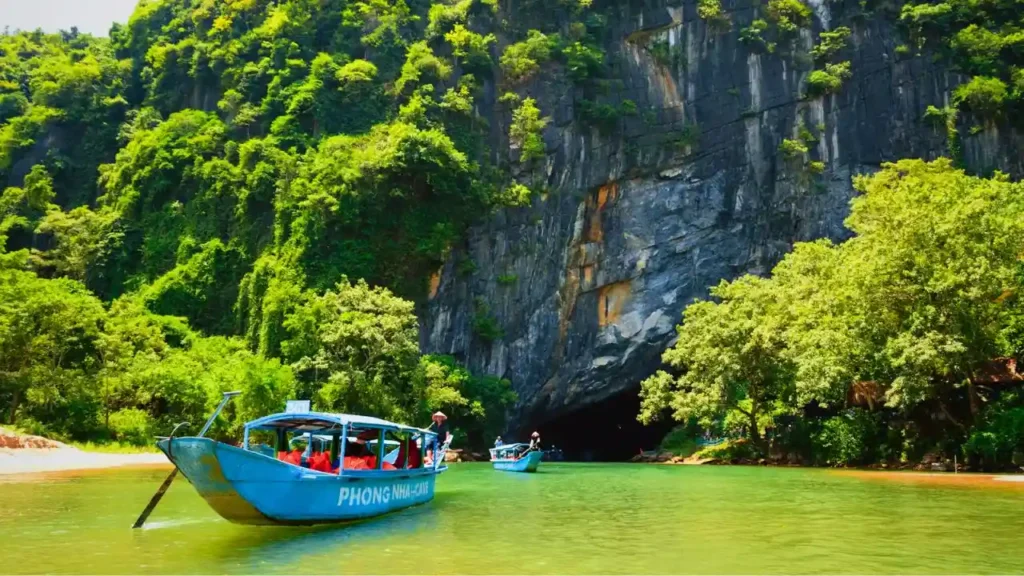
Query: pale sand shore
[[974, 480], [31, 460], [27, 454]]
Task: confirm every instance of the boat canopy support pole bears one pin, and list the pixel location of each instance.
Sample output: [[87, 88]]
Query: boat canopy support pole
[[335, 440], [223, 402], [341, 456]]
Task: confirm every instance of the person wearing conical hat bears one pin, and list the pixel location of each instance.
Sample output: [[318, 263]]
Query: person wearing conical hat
[[440, 426]]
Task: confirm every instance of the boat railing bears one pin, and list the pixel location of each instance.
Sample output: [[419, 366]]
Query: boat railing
[[439, 459]]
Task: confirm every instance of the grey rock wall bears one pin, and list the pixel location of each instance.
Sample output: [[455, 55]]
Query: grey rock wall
[[588, 283]]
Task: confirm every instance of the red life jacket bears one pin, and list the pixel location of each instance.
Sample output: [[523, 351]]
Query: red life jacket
[[321, 462], [293, 457], [354, 463]]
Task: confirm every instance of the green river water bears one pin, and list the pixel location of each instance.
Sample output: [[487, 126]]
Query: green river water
[[568, 518]]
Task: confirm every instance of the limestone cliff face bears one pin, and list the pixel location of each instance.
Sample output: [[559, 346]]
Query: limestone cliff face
[[588, 283]]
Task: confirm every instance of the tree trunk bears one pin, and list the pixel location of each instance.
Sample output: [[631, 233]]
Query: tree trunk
[[755, 434], [973, 401], [14, 407]]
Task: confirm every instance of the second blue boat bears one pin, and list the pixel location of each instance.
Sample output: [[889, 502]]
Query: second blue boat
[[516, 458]]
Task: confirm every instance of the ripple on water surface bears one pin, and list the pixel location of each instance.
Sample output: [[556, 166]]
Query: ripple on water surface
[[569, 518]]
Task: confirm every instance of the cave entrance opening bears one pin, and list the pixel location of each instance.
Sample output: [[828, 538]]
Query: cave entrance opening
[[605, 431]]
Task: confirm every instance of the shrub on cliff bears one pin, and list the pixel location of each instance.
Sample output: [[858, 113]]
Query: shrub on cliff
[[827, 81], [521, 60], [983, 96]]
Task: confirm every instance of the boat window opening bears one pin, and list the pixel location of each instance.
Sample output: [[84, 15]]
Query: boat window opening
[[328, 443]]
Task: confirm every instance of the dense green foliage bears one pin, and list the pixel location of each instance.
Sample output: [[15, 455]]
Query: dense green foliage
[[983, 40], [219, 167], [877, 346]]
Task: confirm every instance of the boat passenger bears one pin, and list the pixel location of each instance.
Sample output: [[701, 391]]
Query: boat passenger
[[497, 442]]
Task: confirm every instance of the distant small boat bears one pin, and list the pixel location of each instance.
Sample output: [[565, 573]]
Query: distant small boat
[[512, 458], [326, 481]]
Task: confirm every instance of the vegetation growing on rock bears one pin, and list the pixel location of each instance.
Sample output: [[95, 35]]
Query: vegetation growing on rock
[[207, 175]]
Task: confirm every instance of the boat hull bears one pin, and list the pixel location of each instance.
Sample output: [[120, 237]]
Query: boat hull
[[528, 463], [247, 487]]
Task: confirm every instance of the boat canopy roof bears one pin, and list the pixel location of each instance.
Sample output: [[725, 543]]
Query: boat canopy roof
[[321, 421], [508, 447]]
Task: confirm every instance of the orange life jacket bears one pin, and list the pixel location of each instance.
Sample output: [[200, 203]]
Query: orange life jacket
[[354, 463], [293, 457], [321, 462]]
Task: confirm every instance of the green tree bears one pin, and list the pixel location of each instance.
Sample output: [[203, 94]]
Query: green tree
[[356, 348], [48, 338], [730, 357]]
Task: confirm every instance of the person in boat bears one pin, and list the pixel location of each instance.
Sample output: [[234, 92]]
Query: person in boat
[[497, 442], [440, 427], [535, 441]]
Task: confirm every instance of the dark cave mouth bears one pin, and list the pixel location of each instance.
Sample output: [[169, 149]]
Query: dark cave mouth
[[604, 431]]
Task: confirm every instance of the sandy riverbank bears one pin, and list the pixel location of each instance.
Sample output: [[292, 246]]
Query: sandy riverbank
[[27, 460], [22, 454], [973, 480]]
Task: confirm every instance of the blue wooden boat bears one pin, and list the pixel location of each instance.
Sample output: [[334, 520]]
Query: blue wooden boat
[[249, 486], [516, 458]]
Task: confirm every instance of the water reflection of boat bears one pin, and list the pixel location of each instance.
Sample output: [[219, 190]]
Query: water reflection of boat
[[251, 552], [516, 458], [353, 480]]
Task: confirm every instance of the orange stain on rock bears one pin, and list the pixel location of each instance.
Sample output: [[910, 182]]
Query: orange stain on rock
[[606, 193], [588, 274], [610, 301], [435, 283]]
